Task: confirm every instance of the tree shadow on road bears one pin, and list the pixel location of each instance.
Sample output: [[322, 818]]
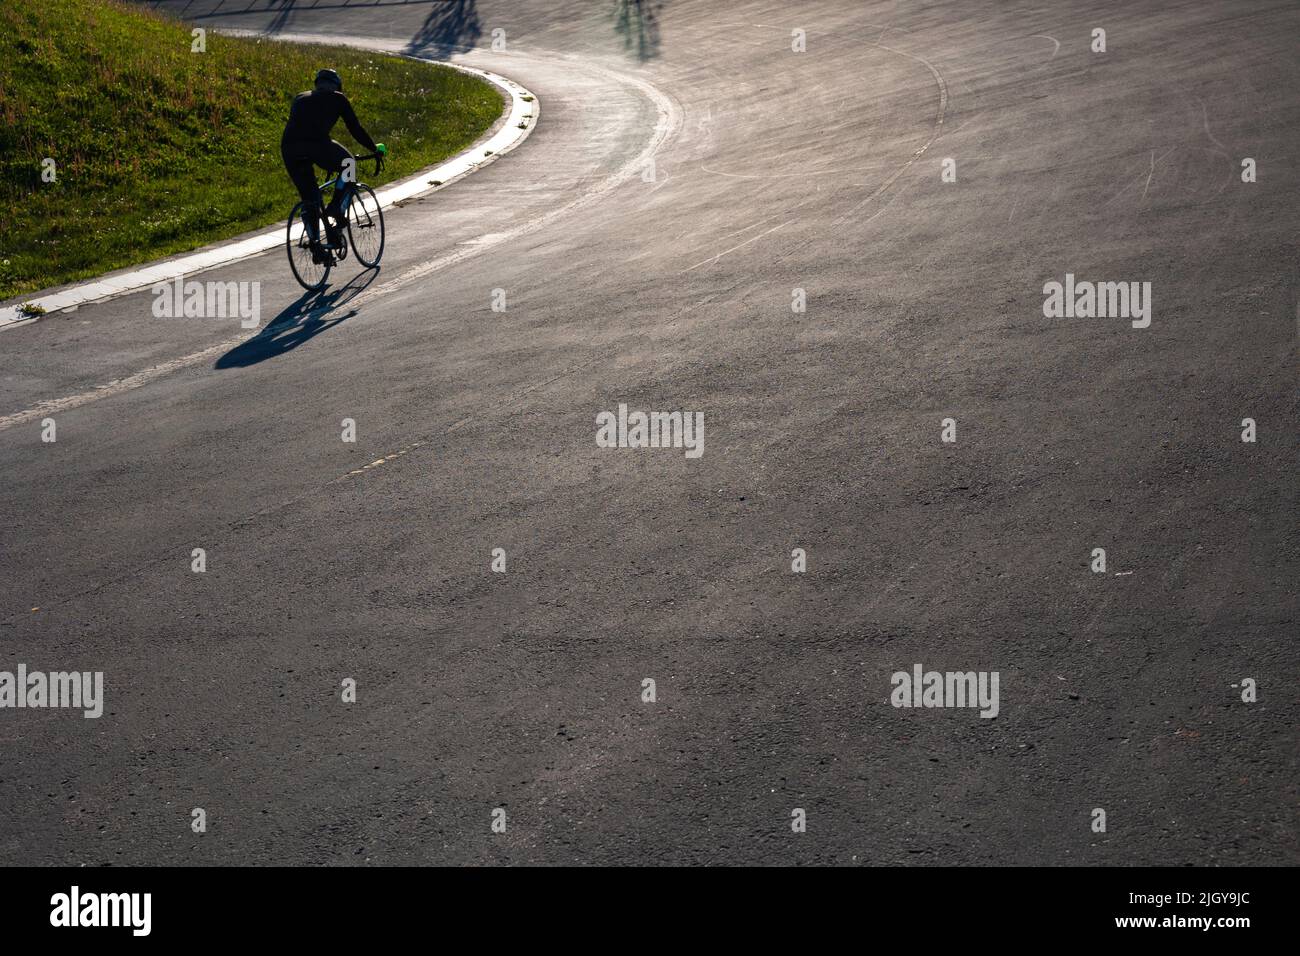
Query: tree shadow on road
[[282, 17], [307, 317], [637, 22], [451, 26]]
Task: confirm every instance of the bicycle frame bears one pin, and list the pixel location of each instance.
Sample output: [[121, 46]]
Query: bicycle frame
[[337, 182], [347, 183], [347, 195]]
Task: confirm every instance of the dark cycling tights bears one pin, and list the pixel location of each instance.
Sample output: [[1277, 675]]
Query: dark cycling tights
[[300, 159]]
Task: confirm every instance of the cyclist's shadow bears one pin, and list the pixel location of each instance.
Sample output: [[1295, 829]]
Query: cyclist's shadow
[[303, 319]]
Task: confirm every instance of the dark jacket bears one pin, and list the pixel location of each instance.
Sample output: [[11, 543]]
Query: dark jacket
[[314, 113]]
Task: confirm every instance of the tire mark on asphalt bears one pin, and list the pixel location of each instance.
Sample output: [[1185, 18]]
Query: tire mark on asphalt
[[1205, 121], [712, 259], [934, 135], [1043, 36], [670, 122]]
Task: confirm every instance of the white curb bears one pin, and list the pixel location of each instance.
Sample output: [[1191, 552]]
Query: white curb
[[524, 111]]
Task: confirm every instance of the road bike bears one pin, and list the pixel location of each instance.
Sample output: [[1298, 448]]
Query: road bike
[[361, 230]]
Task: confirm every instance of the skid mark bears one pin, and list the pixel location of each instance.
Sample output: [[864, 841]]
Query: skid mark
[[1043, 36], [934, 134]]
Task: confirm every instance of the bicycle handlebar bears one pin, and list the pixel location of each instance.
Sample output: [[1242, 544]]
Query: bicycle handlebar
[[377, 157]]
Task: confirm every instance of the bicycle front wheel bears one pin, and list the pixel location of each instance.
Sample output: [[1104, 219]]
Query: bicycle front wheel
[[311, 274], [366, 226]]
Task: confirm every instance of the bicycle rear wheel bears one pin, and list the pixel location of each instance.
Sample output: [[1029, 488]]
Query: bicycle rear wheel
[[366, 226], [311, 275]]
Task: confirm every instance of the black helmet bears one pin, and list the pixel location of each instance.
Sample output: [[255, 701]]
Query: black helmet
[[330, 79]]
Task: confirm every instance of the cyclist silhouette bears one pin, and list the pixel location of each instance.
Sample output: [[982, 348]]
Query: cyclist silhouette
[[306, 142]]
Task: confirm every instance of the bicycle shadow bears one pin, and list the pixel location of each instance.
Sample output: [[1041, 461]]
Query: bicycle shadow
[[299, 322]]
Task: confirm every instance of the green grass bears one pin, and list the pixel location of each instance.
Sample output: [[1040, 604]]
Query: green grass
[[160, 149]]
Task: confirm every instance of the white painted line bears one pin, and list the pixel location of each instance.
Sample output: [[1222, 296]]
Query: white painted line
[[49, 407], [518, 125]]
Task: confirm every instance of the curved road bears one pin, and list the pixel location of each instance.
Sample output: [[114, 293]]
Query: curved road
[[773, 171]]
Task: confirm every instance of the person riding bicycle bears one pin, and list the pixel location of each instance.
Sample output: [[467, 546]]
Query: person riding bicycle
[[306, 141]]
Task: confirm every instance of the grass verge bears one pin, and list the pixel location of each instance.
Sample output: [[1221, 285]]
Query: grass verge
[[158, 149]]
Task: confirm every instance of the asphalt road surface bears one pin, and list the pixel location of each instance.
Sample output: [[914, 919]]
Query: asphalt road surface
[[690, 172]]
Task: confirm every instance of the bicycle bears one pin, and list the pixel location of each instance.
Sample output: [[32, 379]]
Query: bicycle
[[364, 233]]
